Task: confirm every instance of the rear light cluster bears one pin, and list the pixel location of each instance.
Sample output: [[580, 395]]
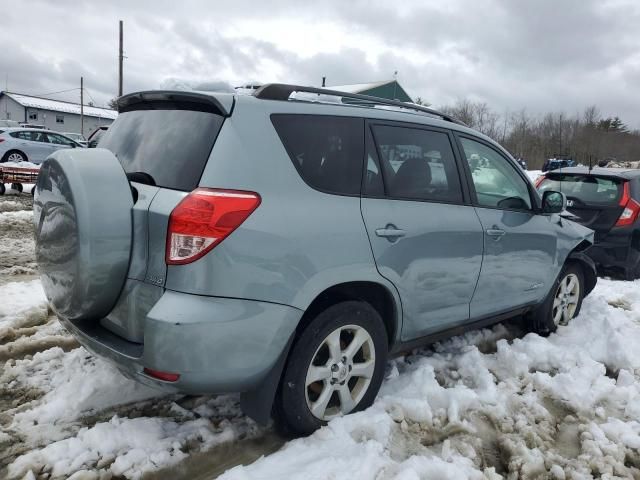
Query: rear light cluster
[[631, 208], [203, 219]]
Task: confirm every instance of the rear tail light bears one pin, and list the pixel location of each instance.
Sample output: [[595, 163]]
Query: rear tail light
[[164, 376], [631, 208], [203, 219], [539, 180]]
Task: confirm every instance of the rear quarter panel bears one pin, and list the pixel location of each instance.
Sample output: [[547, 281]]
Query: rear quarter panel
[[297, 243]]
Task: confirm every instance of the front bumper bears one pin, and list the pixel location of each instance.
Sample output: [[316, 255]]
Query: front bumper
[[216, 345]]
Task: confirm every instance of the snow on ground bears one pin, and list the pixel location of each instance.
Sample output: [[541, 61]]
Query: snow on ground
[[486, 405], [566, 406]]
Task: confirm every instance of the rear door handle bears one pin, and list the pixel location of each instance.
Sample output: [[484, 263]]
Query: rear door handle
[[390, 232], [495, 232]]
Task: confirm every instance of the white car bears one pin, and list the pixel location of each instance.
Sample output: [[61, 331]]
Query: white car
[[31, 145]]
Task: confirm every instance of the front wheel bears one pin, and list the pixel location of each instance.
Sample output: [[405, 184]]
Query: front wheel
[[335, 368], [563, 302]]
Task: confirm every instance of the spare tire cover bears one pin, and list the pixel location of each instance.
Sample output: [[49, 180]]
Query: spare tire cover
[[82, 216]]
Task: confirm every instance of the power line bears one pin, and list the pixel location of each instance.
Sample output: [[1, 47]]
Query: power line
[[53, 93]]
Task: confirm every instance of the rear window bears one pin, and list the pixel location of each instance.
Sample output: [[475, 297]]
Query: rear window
[[170, 145], [587, 188], [327, 151]]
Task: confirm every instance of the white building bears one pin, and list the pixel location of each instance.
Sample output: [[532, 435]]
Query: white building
[[53, 114]]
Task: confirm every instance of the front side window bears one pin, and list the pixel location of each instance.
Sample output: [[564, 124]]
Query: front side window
[[496, 181], [417, 164], [327, 151]]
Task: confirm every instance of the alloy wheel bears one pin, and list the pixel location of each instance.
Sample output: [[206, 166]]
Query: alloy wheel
[[15, 157], [340, 372], [566, 299]]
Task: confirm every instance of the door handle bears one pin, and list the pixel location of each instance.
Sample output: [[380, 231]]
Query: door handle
[[390, 232], [495, 232]]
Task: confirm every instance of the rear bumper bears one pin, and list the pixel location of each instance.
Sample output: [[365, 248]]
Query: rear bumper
[[616, 249], [216, 345]]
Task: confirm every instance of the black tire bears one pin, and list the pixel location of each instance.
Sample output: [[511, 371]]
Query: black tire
[[17, 186], [632, 273], [2, 188], [33, 190], [17, 152], [542, 318], [292, 414]]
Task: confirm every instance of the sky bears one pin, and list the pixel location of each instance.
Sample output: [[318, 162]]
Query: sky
[[543, 55]]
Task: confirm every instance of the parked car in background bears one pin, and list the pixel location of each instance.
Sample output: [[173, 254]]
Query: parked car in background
[[33, 125], [9, 124], [78, 137], [31, 145], [606, 200], [285, 249], [555, 163], [95, 136]]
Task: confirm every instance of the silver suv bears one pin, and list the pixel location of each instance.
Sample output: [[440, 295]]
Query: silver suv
[[285, 244]]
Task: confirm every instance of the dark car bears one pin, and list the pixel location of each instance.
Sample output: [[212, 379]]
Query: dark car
[[606, 200], [95, 136], [556, 163]]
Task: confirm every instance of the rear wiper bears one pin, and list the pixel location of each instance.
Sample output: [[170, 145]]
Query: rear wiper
[[141, 177]]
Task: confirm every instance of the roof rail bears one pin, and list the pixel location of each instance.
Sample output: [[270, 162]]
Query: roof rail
[[282, 91]]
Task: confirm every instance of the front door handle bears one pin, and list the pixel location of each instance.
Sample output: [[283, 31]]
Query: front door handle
[[390, 232], [495, 232]]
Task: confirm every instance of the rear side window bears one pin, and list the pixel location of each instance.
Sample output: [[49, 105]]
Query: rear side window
[[587, 188], [416, 164], [172, 146], [327, 151]]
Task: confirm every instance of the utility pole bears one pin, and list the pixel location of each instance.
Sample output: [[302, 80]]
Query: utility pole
[[120, 64], [81, 106]]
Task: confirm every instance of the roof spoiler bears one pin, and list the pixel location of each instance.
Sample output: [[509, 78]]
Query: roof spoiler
[[175, 100], [282, 91]]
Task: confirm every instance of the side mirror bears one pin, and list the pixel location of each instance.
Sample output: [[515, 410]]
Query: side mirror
[[553, 202]]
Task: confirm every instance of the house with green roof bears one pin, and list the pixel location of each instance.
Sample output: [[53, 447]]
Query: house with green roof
[[388, 89]]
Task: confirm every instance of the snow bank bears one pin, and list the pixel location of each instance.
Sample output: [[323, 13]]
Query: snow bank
[[123, 447], [21, 304]]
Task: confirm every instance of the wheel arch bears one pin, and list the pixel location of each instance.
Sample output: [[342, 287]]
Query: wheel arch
[[588, 266], [379, 296], [5, 157]]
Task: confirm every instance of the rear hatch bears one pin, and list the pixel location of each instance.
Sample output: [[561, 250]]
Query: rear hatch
[[595, 200], [163, 141]]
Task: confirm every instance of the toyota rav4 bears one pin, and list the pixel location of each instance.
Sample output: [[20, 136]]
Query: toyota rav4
[[285, 244]]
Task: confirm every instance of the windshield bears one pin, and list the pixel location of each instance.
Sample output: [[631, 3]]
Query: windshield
[[172, 146], [587, 188]]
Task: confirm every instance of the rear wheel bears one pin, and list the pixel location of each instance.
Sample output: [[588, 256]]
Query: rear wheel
[[563, 302], [14, 156], [335, 368], [2, 188], [17, 187]]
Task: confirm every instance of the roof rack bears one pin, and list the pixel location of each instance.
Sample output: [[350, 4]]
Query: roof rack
[[282, 91]]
